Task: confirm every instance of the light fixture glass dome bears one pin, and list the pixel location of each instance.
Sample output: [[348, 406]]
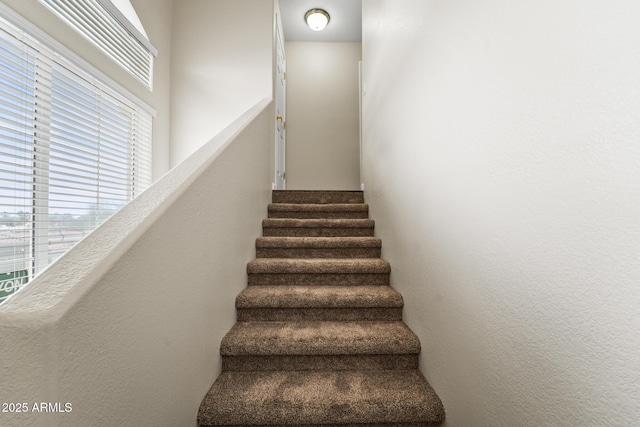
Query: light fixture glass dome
[[317, 19]]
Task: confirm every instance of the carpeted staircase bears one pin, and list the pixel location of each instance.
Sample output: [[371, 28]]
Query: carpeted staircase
[[319, 338]]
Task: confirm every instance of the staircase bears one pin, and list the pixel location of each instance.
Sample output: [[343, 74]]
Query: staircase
[[319, 338]]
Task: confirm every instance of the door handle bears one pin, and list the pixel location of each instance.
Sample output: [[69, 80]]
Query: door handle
[[278, 117]]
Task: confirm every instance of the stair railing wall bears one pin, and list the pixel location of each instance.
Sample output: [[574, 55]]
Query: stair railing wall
[[125, 328]]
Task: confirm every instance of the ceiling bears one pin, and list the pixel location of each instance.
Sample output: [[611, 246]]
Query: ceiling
[[345, 24]]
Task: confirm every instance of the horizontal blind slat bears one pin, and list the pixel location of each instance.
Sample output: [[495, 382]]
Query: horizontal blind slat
[[94, 22]]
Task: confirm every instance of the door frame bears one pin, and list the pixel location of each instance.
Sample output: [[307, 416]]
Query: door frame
[[280, 94]]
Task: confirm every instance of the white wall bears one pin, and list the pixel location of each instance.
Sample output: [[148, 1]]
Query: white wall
[[323, 130], [126, 326], [221, 64], [502, 165], [156, 18]]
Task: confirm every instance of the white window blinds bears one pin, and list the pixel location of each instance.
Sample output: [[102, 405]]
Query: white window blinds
[[102, 24], [72, 152]]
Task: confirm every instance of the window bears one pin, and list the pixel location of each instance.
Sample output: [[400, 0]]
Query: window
[[72, 152], [103, 24]]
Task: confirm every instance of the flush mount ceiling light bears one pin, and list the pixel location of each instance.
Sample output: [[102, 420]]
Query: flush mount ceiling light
[[317, 19]]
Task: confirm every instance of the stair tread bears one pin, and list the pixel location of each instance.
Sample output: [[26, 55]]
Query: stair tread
[[318, 297], [318, 266], [320, 207], [318, 222], [327, 397], [319, 338], [318, 242]]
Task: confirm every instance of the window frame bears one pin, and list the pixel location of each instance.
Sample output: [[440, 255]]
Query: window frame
[[39, 216]]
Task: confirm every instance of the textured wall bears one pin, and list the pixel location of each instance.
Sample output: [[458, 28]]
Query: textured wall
[[502, 165], [221, 64], [323, 127], [126, 326]]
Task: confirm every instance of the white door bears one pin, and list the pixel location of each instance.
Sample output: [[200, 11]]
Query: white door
[[281, 109]]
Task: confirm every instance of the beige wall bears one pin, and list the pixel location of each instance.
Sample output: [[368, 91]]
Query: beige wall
[[502, 166], [155, 16], [221, 65], [323, 116]]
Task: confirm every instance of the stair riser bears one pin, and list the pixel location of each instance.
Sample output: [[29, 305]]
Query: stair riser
[[328, 314], [316, 232], [320, 363], [318, 252], [326, 279], [315, 197], [318, 215], [338, 425], [395, 424]]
